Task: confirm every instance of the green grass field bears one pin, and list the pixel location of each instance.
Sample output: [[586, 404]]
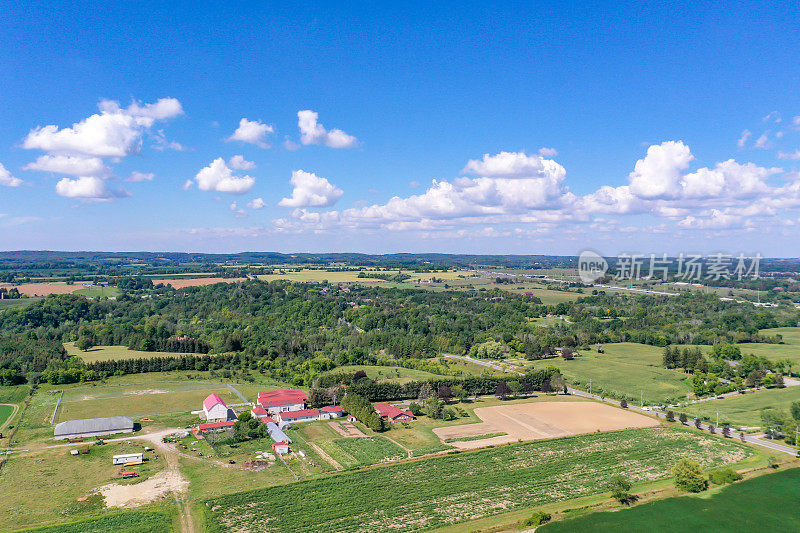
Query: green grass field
[[5, 412], [351, 276], [744, 409], [17, 302], [98, 292], [766, 503], [141, 399], [108, 353], [417, 495], [626, 368], [127, 522], [55, 485], [395, 374]]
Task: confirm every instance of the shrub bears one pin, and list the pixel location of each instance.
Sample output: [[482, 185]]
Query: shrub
[[623, 403], [689, 476], [724, 476], [537, 519]]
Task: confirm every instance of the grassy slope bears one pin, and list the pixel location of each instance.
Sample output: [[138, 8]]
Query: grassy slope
[[5, 412], [395, 374], [453, 488], [765, 503], [744, 410], [627, 368], [107, 353]]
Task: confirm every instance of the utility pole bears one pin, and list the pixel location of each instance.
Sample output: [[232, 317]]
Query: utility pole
[[717, 417], [641, 398], [590, 386]]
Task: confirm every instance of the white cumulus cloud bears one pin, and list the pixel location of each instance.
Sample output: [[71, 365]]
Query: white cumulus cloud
[[219, 177], [141, 176], [253, 132], [70, 164], [257, 203], [656, 176], [115, 132], [312, 132], [548, 152], [7, 179], [87, 188], [311, 191], [240, 163]]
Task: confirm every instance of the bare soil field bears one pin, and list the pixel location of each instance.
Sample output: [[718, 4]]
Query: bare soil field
[[195, 282], [44, 289], [346, 429], [542, 420]]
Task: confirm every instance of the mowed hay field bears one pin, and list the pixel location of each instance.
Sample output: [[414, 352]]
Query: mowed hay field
[[442, 490], [195, 282], [139, 399], [351, 276], [790, 349], [626, 368], [108, 353], [44, 289], [765, 503], [744, 409], [542, 420]]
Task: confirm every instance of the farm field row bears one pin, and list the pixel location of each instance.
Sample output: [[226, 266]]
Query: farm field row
[[465, 486], [765, 503]]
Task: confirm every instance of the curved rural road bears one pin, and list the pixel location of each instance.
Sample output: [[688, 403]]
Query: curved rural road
[[10, 417]]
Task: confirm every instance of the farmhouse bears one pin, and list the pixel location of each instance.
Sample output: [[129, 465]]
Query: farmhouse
[[277, 401], [93, 427], [215, 409], [392, 413]]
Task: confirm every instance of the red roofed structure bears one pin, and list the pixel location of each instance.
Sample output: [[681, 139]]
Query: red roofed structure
[[278, 401], [392, 413], [215, 409], [215, 426]]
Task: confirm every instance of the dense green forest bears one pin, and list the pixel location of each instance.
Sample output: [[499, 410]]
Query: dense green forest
[[294, 331]]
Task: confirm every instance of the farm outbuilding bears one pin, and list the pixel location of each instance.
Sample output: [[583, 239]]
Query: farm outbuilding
[[215, 410], [392, 413], [276, 434], [93, 427], [280, 447], [278, 401], [128, 458]]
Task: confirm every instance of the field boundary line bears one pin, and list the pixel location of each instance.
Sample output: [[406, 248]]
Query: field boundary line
[[55, 411]]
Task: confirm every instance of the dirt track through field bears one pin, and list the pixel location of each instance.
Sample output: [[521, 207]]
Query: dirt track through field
[[542, 420], [170, 480]]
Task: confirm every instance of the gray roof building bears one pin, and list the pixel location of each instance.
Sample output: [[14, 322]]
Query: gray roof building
[[276, 434], [92, 427]]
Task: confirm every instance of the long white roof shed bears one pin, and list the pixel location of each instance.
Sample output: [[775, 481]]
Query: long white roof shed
[[91, 427]]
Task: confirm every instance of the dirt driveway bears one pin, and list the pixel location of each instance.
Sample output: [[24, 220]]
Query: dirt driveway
[[542, 420]]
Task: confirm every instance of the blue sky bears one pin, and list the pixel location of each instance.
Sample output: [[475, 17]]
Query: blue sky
[[548, 129]]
